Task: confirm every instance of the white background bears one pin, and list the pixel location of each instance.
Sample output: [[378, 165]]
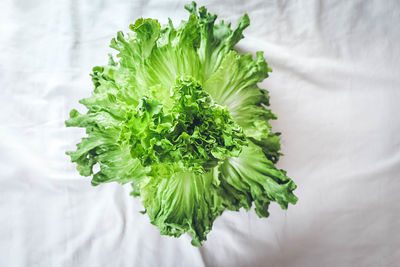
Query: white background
[[336, 90]]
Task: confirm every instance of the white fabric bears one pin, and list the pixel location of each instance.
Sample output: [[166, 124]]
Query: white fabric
[[335, 87]]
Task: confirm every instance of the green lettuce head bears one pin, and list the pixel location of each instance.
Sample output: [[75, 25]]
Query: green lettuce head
[[179, 115]]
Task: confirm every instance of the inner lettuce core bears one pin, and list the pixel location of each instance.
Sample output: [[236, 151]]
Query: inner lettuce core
[[189, 132], [178, 114]]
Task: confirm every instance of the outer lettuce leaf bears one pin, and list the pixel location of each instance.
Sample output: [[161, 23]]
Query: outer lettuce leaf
[[252, 177], [179, 115], [234, 84], [182, 202]]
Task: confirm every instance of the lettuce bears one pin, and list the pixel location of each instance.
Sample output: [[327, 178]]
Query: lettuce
[[179, 115]]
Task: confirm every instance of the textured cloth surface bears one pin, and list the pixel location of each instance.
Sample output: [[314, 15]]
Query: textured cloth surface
[[335, 87]]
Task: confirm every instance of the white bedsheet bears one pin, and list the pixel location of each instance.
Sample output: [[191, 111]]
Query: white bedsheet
[[335, 87]]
